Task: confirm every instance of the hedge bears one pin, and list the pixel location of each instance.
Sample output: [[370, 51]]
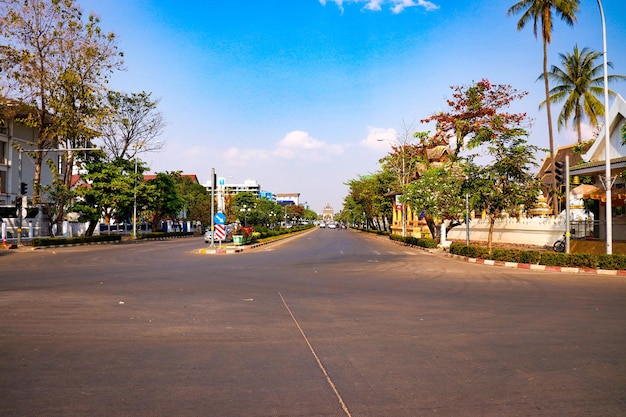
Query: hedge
[[163, 235], [57, 241], [548, 258], [423, 242]]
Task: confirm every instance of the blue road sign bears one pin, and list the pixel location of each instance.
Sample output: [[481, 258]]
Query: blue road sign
[[219, 218]]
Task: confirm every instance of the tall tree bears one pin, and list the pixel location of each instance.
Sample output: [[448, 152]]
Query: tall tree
[[57, 65], [478, 112], [196, 198], [507, 182], [131, 125], [164, 202], [110, 192], [479, 119], [439, 193], [578, 84], [541, 12]]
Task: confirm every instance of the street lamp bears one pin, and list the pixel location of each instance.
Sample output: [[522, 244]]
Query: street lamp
[[608, 181], [245, 211], [402, 181], [137, 146], [272, 217]]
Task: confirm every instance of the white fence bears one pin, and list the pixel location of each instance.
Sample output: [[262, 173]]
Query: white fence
[[536, 231]]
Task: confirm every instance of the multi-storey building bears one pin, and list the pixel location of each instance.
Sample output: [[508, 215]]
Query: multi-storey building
[[16, 164]]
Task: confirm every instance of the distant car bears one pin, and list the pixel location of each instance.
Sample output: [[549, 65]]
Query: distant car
[[332, 226], [322, 225], [208, 235]]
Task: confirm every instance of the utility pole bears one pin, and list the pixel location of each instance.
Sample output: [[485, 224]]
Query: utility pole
[[608, 181], [212, 208], [567, 204]]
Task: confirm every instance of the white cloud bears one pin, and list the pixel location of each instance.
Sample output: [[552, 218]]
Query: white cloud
[[397, 6], [298, 145], [374, 5], [379, 138], [400, 5]]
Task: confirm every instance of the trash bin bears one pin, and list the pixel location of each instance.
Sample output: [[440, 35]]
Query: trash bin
[[238, 239]]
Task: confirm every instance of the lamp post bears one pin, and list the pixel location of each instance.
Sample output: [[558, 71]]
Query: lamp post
[[135, 203], [608, 182], [137, 146], [402, 181], [245, 211]]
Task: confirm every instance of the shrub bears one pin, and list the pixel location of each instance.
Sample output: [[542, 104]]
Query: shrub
[[506, 255], [582, 260], [469, 251], [423, 242], [163, 235], [553, 259], [529, 256], [614, 261], [57, 241], [426, 242]]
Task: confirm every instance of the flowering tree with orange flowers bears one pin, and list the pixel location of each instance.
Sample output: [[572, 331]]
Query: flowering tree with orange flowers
[[478, 113]]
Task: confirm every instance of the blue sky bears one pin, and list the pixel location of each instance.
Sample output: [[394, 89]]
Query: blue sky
[[295, 93]]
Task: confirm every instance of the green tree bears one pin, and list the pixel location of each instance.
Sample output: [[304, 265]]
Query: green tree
[[110, 192], [163, 201], [507, 183], [579, 83], [367, 199], [310, 215], [440, 194], [541, 12], [58, 66], [196, 198]]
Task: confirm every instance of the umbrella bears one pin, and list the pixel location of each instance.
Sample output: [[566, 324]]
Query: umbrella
[[586, 190], [618, 195]]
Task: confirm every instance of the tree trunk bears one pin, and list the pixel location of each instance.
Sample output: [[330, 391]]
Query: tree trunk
[[432, 227], [91, 228], [550, 133], [492, 222]]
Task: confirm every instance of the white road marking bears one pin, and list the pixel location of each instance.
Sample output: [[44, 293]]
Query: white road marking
[[319, 362]]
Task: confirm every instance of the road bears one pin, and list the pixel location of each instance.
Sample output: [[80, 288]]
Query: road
[[330, 323]]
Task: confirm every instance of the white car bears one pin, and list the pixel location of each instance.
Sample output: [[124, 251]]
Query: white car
[[332, 226]]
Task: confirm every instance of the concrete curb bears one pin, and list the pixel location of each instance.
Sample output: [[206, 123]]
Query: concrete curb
[[516, 265], [238, 249], [537, 267], [222, 250]]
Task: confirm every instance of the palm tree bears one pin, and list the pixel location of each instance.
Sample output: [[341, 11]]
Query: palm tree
[[579, 83], [540, 11]]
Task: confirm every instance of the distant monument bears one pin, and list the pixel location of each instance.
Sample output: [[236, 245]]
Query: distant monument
[[328, 215]]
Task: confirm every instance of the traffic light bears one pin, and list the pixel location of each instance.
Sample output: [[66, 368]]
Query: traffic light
[[559, 173], [23, 188]]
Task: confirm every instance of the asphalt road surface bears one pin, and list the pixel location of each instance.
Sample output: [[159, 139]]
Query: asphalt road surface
[[330, 323]]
